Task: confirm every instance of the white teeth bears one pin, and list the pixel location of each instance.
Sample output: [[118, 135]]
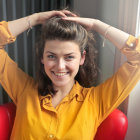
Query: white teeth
[[60, 74]]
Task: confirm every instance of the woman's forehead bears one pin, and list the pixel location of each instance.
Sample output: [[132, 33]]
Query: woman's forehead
[[61, 46]]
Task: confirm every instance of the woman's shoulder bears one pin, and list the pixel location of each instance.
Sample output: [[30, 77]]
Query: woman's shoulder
[[5, 35], [84, 90]]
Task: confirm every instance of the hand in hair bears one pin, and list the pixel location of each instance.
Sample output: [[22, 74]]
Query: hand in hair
[[87, 23], [114, 35], [43, 16]]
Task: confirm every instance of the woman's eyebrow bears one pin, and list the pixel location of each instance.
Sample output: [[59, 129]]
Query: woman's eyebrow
[[64, 54], [70, 53], [50, 52]]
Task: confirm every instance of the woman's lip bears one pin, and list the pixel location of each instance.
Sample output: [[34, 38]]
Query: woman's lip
[[60, 73]]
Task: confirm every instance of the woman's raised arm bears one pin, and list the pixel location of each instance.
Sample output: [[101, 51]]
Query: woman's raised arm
[[114, 35], [20, 25]]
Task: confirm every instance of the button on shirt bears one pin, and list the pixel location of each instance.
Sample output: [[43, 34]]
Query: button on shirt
[[79, 114]]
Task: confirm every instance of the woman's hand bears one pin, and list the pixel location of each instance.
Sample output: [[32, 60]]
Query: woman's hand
[[40, 18], [87, 23]]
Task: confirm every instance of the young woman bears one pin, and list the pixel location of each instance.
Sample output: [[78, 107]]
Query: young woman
[[61, 105]]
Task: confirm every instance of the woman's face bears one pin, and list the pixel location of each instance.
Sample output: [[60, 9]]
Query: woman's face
[[61, 61]]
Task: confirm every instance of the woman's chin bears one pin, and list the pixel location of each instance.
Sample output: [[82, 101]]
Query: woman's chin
[[60, 83]]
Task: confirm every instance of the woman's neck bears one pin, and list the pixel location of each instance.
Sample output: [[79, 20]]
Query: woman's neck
[[63, 91]]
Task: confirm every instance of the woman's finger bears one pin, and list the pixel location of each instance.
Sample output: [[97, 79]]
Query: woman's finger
[[59, 13], [76, 19], [69, 13]]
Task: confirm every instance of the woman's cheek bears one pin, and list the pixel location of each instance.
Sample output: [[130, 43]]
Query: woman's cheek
[[73, 64], [49, 64]]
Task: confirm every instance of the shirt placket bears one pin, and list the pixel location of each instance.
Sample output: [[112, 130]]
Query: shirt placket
[[47, 105], [53, 127]]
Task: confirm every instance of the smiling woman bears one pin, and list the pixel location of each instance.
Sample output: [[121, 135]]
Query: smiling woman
[[61, 104], [58, 40]]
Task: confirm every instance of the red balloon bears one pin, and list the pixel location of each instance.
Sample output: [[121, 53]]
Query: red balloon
[[7, 115], [114, 127]]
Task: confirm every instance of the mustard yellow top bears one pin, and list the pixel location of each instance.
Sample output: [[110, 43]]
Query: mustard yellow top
[[79, 114]]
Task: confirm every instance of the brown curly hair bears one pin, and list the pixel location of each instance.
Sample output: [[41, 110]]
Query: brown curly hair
[[57, 28]]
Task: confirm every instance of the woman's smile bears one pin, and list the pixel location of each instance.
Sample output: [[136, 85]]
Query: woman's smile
[[60, 75]]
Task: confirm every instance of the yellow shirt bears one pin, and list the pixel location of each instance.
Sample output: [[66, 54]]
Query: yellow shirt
[[79, 114]]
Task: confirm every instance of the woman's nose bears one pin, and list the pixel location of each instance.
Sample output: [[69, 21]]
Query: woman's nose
[[61, 64]]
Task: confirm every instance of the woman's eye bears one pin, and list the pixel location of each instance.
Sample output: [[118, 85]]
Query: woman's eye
[[69, 57], [51, 56]]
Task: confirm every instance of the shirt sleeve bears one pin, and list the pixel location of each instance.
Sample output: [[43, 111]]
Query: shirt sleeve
[[13, 79], [110, 94], [5, 36]]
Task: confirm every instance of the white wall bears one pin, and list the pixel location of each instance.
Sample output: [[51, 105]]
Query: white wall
[[133, 132], [86, 8], [133, 114]]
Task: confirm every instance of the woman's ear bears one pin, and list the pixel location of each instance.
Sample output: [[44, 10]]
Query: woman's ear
[[83, 58], [42, 61]]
